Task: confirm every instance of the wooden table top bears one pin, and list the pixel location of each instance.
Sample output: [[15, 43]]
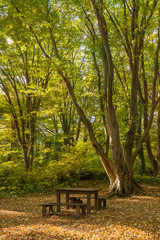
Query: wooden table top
[[77, 190]]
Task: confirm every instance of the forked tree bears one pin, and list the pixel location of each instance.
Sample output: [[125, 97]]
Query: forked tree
[[53, 19]]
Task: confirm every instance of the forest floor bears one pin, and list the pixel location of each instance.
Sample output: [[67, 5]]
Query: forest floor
[[136, 217]]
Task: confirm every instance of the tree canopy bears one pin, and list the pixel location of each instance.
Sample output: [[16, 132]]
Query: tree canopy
[[75, 71]]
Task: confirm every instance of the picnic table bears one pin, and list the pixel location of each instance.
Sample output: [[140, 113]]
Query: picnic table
[[75, 201], [85, 191]]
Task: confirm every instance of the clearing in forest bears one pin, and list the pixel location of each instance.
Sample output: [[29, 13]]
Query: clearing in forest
[[136, 217]]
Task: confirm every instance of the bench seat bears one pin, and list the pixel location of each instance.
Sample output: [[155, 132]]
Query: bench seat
[[78, 207], [101, 201]]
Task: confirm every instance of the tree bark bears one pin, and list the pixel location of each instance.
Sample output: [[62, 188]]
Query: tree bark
[[158, 119], [142, 162], [144, 101], [124, 179], [158, 138]]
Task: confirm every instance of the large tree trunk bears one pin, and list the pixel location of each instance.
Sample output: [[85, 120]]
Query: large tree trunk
[[123, 183], [124, 178]]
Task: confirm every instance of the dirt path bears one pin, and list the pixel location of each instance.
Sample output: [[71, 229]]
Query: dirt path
[[137, 217]]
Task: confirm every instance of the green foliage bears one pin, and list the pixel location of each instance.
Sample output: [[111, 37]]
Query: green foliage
[[15, 180], [147, 179], [37, 39], [78, 163], [81, 162]]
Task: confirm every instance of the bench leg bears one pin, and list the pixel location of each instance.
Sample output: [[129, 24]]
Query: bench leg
[[77, 211], [83, 210], [67, 200], [88, 203], [43, 211], [96, 201], [102, 203], [58, 201]]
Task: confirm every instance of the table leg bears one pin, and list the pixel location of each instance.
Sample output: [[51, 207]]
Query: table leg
[[43, 210], [88, 203], [58, 201], [67, 199], [96, 201]]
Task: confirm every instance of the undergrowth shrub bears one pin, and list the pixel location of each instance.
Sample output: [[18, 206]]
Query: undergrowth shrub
[[15, 180], [147, 179], [78, 163]]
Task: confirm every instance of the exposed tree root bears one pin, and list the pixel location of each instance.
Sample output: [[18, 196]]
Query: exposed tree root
[[114, 194], [137, 189]]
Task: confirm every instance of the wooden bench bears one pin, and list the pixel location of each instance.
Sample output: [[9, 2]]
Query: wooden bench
[[101, 201], [78, 206]]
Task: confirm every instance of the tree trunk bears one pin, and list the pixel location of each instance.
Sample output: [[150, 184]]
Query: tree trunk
[[123, 183], [158, 139], [158, 120], [142, 164], [28, 142], [28, 153], [144, 101], [151, 157], [26, 159]]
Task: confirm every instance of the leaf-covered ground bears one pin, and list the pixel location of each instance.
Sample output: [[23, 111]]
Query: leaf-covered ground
[[137, 217]]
